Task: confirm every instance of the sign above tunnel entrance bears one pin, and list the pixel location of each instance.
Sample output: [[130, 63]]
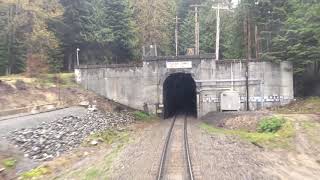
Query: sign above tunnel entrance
[[179, 65]]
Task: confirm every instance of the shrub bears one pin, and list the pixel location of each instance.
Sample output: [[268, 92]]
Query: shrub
[[9, 163], [141, 116], [35, 173], [270, 124]]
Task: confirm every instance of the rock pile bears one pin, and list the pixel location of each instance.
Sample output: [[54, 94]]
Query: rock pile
[[49, 140]]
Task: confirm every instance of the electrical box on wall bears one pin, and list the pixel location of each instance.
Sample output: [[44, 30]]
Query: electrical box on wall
[[230, 101]]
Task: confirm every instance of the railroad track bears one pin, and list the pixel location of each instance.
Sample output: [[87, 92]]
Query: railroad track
[[175, 162]]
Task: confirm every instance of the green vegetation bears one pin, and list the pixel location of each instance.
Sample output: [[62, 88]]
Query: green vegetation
[[281, 139], [101, 168], [111, 136], [270, 124], [51, 80], [36, 173], [142, 116], [9, 163], [92, 173]]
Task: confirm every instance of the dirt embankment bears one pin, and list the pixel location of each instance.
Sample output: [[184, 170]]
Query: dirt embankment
[[290, 153], [49, 91], [247, 121]]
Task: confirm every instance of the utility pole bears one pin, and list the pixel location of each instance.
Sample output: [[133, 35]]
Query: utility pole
[[218, 7], [176, 35], [248, 38], [256, 37], [197, 29], [218, 32]]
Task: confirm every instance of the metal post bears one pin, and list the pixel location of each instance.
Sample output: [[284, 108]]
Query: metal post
[[78, 63], [155, 50]]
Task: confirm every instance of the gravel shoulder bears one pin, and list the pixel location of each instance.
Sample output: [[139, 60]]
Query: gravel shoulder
[[213, 156], [140, 159], [30, 140], [224, 157]]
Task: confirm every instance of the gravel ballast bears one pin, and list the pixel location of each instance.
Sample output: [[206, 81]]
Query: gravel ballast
[[50, 139]]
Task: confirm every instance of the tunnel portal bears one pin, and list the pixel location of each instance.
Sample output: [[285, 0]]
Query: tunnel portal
[[179, 95]]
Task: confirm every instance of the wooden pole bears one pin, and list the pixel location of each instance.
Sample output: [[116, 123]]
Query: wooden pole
[[256, 37]]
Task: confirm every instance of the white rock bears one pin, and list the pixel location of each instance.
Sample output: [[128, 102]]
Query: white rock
[[94, 143]]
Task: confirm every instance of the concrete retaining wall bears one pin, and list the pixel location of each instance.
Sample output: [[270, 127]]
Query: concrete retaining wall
[[141, 87]]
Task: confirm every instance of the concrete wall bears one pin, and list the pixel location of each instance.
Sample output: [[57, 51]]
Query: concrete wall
[[141, 87], [270, 84]]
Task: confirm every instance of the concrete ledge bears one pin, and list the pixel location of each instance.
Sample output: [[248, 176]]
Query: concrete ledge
[[165, 58], [109, 66]]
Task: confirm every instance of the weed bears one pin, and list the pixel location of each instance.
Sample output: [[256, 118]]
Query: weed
[[270, 124], [141, 116], [110, 136], [101, 169], [92, 174], [35, 173], [51, 80], [9, 163]]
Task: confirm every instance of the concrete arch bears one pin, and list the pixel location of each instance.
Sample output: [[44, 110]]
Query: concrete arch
[[163, 77]]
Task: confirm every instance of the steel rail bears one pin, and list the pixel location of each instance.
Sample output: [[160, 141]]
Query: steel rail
[[164, 151], [187, 150]]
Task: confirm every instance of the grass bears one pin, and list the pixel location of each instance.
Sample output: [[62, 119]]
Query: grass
[[110, 136], [281, 139], [36, 173], [142, 116], [101, 169], [9, 163], [50, 80], [92, 174]]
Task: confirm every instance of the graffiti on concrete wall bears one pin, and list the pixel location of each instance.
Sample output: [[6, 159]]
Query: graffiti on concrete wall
[[274, 98]]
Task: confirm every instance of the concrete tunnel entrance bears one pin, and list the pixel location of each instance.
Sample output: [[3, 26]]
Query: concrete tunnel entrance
[[179, 95]]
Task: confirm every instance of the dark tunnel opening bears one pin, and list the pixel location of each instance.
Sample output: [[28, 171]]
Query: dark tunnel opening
[[179, 95]]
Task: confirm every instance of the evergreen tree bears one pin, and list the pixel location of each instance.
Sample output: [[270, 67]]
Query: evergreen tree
[[119, 19], [186, 37]]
